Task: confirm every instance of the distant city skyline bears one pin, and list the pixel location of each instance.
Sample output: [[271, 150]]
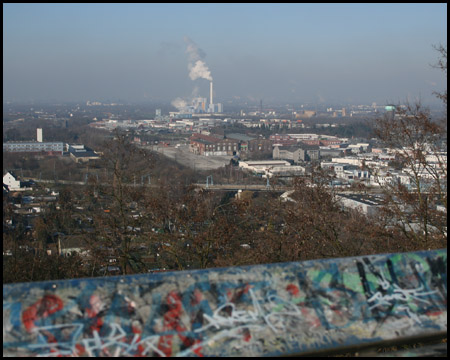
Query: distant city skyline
[[296, 53]]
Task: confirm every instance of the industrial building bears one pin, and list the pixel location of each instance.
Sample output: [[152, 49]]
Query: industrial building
[[210, 145], [49, 148], [81, 153], [367, 204], [199, 105]]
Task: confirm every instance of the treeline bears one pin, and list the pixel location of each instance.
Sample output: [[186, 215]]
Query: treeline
[[136, 229]]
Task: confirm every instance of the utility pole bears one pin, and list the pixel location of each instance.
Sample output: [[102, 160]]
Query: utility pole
[[59, 245], [207, 179], [267, 177]]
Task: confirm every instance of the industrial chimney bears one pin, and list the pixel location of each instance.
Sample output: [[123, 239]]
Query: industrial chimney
[[211, 93]]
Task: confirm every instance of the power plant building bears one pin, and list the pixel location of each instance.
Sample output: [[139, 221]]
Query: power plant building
[[200, 105]]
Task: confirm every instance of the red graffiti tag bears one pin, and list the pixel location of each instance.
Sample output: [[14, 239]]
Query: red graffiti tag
[[42, 308], [172, 322], [237, 295], [293, 289], [137, 331], [197, 297], [96, 307], [308, 315]]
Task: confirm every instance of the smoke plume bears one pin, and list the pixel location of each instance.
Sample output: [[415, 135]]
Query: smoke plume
[[179, 103], [197, 67]]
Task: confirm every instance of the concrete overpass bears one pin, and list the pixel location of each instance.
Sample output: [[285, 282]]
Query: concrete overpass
[[243, 187], [222, 187]]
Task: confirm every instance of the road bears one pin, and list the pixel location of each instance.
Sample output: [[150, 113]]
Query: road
[[222, 187]]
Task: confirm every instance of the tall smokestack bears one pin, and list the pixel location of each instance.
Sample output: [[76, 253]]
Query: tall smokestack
[[211, 93]]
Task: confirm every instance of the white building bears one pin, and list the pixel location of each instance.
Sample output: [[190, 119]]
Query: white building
[[34, 146], [12, 181], [39, 135], [383, 179], [286, 171], [263, 166], [300, 137], [348, 160], [367, 204]]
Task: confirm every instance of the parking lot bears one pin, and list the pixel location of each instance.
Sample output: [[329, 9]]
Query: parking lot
[[183, 156]]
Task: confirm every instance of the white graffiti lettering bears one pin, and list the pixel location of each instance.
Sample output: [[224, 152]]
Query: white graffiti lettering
[[398, 294], [274, 319], [113, 344], [60, 348]]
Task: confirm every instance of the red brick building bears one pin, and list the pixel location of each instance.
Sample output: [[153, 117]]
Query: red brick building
[[210, 145]]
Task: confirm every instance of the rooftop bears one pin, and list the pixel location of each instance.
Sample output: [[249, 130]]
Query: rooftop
[[364, 198], [241, 137]]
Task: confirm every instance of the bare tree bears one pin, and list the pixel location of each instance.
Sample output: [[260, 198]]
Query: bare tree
[[418, 206], [442, 65], [115, 201]]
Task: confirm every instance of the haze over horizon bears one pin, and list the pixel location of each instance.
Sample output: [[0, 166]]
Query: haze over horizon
[[296, 53]]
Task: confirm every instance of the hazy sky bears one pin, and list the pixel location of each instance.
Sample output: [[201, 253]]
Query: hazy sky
[[296, 53]]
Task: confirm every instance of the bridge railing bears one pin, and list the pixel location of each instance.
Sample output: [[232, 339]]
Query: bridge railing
[[299, 308]]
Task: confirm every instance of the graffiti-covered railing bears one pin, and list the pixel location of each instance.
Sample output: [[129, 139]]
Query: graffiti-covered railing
[[277, 309]]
